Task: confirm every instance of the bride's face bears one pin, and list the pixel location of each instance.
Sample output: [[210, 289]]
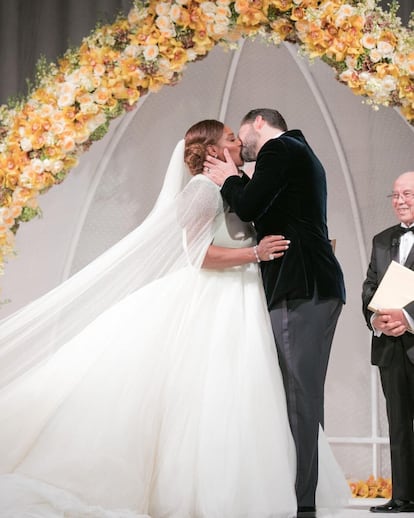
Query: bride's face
[[232, 143]]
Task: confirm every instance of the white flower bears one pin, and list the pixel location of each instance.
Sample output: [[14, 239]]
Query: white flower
[[351, 61], [344, 12], [208, 7], [368, 40], [151, 52], [385, 49], [135, 15], [49, 138], [175, 13], [132, 51], [389, 83], [89, 107], [165, 26], [220, 28], [375, 55], [370, 4], [364, 77], [68, 143], [57, 166], [26, 144], [209, 17], [346, 75], [46, 110], [37, 165], [47, 164], [191, 54], [95, 122], [164, 68], [162, 8], [26, 178], [73, 79], [66, 94], [19, 195], [58, 127]]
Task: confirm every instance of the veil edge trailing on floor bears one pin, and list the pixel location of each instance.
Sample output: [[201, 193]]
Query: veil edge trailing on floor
[[169, 238]]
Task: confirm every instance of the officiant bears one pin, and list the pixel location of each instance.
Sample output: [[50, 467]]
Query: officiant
[[393, 344]]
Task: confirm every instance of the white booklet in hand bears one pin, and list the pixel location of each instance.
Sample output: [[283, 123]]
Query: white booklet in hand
[[395, 290]]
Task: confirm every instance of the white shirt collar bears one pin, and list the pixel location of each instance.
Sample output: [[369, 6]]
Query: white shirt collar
[[278, 134]]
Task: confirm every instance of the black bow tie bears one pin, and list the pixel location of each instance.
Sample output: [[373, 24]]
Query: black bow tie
[[404, 230]]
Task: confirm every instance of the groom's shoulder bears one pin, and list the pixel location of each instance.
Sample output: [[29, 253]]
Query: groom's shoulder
[[287, 139]]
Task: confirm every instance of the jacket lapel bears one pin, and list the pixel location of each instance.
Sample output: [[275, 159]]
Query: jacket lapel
[[394, 245], [409, 263]]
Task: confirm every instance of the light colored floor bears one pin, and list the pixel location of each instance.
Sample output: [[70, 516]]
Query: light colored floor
[[358, 508]]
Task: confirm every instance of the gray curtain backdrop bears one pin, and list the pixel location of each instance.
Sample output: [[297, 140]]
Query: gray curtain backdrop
[[31, 28]]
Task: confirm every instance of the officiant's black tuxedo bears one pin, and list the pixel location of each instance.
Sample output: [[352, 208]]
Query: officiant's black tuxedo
[[396, 369], [304, 289]]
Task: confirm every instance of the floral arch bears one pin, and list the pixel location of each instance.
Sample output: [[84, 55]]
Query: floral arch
[[73, 101]]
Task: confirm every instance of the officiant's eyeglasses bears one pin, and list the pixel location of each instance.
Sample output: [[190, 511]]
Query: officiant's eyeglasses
[[406, 195]]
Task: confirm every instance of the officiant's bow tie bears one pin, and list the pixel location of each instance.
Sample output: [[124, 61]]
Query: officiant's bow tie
[[403, 230]]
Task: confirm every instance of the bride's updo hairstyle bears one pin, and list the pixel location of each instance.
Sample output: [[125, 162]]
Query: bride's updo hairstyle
[[197, 139]]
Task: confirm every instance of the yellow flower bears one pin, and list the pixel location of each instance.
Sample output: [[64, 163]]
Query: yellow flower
[[282, 5], [203, 43], [177, 57], [282, 27], [371, 488], [101, 95], [11, 179], [250, 12], [386, 69]]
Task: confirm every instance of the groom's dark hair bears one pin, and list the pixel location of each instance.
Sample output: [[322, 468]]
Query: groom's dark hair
[[272, 117]]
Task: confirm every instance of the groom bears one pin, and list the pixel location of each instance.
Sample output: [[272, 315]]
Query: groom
[[305, 288]]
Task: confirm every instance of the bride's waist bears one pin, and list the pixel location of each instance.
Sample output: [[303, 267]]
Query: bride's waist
[[235, 270]]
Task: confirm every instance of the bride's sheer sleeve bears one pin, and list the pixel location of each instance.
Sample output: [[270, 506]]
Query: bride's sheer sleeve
[[197, 208]]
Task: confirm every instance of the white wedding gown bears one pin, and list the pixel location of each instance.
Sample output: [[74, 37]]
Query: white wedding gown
[[170, 404]]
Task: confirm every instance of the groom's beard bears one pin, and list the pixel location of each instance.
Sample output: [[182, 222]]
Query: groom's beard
[[249, 146], [248, 152]]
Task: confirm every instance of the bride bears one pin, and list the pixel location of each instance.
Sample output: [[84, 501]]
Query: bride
[[148, 383]]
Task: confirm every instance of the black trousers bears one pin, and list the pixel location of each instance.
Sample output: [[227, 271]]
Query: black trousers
[[304, 330], [397, 381]]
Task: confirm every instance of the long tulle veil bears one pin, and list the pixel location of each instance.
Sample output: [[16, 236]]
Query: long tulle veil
[[175, 235]]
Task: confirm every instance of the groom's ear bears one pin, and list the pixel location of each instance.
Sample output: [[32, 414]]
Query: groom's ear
[[258, 123]]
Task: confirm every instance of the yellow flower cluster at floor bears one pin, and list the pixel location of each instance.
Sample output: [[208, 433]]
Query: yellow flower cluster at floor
[[371, 488], [73, 101]]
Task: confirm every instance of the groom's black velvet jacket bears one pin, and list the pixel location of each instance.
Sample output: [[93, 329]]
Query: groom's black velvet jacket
[[287, 195]]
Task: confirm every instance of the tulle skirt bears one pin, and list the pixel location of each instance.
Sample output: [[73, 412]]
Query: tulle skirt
[[169, 405]]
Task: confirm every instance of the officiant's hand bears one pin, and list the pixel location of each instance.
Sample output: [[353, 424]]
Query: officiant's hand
[[391, 322]]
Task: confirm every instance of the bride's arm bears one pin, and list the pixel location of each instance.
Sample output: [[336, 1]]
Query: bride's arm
[[221, 257]]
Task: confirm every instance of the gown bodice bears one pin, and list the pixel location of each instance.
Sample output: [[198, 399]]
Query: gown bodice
[[232, 232]]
